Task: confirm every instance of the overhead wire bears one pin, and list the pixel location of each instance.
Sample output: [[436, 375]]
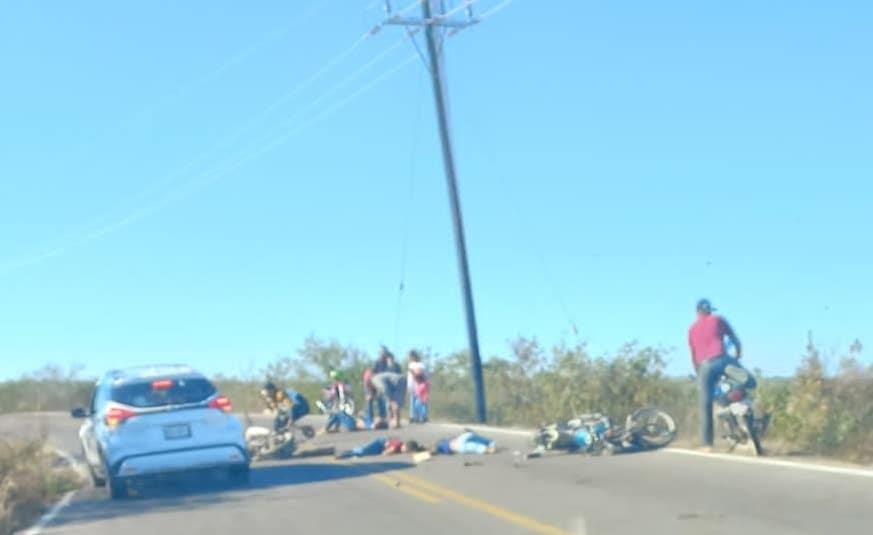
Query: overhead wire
[[236, 59], [107, 223], [404, 245], [205, 178]]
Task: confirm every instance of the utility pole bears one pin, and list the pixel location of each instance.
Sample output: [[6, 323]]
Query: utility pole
[[434, 20]]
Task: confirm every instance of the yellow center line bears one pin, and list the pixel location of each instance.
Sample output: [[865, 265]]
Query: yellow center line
[[398, 485], [531, 524], [393, 483]]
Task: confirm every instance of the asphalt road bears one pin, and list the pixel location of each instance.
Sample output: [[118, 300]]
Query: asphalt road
[[667, 492]]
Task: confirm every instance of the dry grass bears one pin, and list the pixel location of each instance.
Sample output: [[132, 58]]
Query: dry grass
[[30, 479]]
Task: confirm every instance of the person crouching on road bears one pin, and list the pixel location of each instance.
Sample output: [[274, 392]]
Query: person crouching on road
[[289, 405], [343, 421], [706, 339]]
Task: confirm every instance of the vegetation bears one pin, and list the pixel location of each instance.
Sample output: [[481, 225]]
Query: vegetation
[[29, 481], [813, 412]]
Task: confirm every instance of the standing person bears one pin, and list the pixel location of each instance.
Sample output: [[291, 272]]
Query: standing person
[[372, 397], [709, 356], [418, 385], [390, 384]]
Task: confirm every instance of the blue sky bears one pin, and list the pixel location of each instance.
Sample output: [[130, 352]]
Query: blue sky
[[617, 161]]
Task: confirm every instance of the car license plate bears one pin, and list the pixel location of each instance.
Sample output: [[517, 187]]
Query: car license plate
[[177, 431]]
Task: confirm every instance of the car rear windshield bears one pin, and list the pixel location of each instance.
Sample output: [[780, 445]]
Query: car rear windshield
[[151, 393]]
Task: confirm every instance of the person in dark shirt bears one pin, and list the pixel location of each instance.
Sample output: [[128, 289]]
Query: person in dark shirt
[[706, 339]]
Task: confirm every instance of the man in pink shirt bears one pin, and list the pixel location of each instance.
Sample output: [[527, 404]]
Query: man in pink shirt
[[708, 355]]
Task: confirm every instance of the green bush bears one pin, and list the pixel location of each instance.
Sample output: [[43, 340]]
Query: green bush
[[812, 412]]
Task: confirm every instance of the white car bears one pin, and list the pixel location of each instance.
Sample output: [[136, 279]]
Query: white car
[[155, 420]]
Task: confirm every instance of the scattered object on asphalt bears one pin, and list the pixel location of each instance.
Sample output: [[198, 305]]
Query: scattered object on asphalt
[[473, 463], [421, 457], [316, 452]]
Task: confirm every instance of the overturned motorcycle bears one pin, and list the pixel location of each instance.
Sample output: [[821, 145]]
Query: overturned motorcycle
[[645, 429], [264, 443]]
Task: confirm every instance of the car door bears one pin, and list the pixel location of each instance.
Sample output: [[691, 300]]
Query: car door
[[88, 432]]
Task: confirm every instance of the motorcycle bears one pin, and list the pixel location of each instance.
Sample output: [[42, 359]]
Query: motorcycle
[[336, 397], [265, 443], [644, 429], [734, 411]]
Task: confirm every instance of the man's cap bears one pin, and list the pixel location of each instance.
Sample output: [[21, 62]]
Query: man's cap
[[705, 306]]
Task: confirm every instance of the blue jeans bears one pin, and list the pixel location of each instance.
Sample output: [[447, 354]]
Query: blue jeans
[[379, 401], [375, 447], [417, 409], [300, 409], [472, 443], [708, 375], [341, 420]]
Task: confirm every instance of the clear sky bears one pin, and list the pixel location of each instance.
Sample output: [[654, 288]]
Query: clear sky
[[617, 161]]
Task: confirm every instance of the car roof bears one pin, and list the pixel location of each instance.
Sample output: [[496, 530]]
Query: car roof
[[139, 373]]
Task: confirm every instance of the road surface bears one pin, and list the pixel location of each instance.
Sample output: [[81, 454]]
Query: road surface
[[658, 492]]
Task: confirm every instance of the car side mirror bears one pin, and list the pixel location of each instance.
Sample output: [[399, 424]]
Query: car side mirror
[[79, 412]]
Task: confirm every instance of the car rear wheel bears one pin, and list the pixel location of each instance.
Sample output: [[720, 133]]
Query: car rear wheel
[[117, 488], [239, 475], [97, 480]]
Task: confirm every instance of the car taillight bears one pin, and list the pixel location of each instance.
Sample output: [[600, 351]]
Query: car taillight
[[162, 384], [221, 403], [116, 416]]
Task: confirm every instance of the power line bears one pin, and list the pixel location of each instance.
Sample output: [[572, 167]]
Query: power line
[[237, 58], [107, 221], [404, 244], [207, 177]]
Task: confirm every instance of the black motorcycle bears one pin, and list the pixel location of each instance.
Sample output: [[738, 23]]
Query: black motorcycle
[[734, 411]]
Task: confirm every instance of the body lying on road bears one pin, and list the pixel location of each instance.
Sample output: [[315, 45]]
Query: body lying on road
[[467, 442], [382, 446]]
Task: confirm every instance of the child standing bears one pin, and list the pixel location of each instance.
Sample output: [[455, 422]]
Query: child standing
[[418, 384]]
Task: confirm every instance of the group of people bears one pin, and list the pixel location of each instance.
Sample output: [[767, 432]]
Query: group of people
[[386, 388]]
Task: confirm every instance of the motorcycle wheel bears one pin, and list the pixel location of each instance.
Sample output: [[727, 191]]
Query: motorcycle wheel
[[652, 428], [749, 424]]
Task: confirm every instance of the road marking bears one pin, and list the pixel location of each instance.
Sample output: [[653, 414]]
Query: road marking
[[48, 517], [405, 488], [503, 514], [862, 472], [45, 519], [74, 464]]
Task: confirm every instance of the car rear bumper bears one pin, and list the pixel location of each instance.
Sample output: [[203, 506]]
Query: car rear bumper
[[180, 460]]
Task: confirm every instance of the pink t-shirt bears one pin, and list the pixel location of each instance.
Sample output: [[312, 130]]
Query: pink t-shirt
[[706, 338], [422, 391]]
